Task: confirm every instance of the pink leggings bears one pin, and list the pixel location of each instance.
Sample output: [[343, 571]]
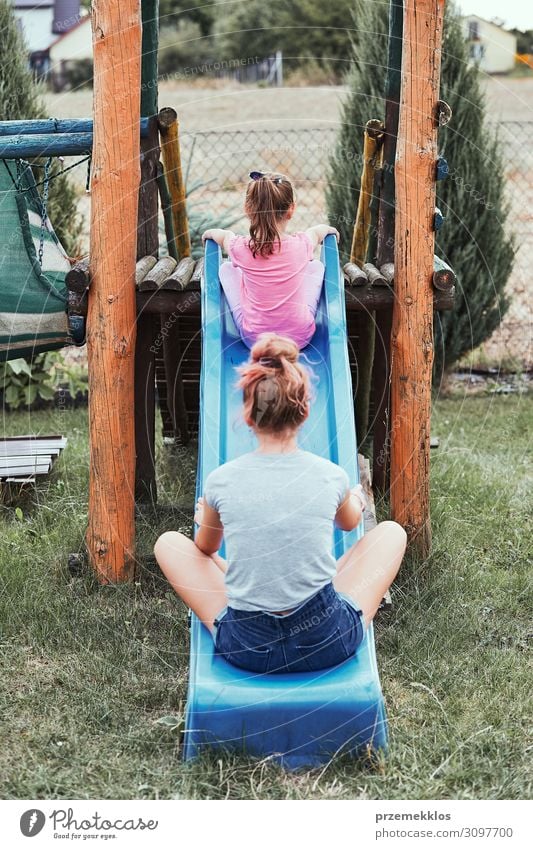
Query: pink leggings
[[231, 279]]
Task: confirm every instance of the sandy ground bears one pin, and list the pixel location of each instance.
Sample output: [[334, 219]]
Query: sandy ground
[[230, 108], [239, 107]]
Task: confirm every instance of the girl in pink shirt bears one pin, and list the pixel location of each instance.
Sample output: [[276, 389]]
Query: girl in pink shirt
[[272, 283]]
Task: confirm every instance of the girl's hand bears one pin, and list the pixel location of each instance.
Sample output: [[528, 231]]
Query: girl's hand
[[359, 493], [318, 233], [199, 512], [332, 230], [209, 234]]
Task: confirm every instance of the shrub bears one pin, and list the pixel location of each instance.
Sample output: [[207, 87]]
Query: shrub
[[36, 384], [474, 239], [20, 98]]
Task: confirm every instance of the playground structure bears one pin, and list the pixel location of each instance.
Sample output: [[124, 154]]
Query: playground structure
[[139, 309], [392, 299]]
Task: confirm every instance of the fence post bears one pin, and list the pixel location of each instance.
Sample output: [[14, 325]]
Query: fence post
[[279, 68]]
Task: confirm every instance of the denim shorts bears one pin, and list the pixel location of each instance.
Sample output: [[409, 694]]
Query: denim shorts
[[324, 631]]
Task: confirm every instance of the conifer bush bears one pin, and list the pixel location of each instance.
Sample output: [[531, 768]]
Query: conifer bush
[[475, 238], [20, 99]]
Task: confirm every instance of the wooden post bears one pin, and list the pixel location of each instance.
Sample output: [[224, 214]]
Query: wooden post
[[166, 207], [170, 149], [148, 326], [364, 323], [111, 320], [171, 153], [385, 254], [412, 324]]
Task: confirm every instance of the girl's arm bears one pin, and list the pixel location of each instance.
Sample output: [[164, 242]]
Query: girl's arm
[[318, 233], [350, 512], [210, 533], [221, 237]]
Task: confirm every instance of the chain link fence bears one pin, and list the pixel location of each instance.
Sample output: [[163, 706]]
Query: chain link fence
[[217, 165]]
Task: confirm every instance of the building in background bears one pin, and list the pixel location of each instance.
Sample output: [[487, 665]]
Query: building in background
[[41, 22], [71, 56], [491, 46]]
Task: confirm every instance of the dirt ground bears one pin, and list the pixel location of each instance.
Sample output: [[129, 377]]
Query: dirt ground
[[233, 107], [224, 107]]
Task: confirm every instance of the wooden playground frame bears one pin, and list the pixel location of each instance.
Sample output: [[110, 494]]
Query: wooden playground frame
[[128, 134]]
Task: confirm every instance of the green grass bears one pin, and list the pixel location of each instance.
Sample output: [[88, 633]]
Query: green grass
[[88, 671]]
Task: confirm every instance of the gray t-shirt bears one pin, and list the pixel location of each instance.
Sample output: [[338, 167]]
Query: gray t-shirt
[[278, 512]]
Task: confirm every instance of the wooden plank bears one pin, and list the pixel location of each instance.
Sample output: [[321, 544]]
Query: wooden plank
[[354, 275], [387, 271], [143, 267], [364, 298], [181, 276], [197, 273], [374, 275], [21, 481], [112, 315], [38, 144], [46, 126], [412, 324], [444, 277], [16, 442], [157, 275], [28, 451], [18, 465], [78, 279]]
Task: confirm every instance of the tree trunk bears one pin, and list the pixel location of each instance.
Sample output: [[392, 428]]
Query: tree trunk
[[112, 313]]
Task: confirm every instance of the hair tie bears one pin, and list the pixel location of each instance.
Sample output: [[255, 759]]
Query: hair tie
[[259, 175], [269, 362]]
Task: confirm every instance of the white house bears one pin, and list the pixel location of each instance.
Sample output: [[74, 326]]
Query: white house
[[491, 46], [75, 44], [41, 22]]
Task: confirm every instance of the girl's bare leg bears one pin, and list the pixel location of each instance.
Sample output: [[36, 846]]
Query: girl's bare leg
[[314, 276], [369, 567], [197, 578]]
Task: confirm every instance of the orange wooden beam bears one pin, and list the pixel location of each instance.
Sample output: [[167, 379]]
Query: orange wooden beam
[[111, 312], [412, 325]]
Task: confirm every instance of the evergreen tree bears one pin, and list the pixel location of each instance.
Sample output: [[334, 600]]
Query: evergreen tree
[[20, 99], [303, 29], [474, 238]]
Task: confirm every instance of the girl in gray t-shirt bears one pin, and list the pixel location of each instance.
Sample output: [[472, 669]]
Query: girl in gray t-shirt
[[280, 602]]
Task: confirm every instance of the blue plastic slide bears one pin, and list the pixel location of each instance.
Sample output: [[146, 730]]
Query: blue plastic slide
[[299, 719]]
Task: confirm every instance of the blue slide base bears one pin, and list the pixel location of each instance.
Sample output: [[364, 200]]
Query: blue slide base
[[299, 719]]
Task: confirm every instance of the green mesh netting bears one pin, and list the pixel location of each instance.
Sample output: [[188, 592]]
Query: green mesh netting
[[32, 299]]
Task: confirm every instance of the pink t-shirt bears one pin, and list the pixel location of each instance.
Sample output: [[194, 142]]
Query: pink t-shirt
[[273, 297]]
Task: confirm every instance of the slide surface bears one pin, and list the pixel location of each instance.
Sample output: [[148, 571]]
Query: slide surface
[[300, 719]]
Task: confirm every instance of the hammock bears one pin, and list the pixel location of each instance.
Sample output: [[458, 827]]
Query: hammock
[[33, 295]]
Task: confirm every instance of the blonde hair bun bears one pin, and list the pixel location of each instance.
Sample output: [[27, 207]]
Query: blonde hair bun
[[275, 386], [270, 346]]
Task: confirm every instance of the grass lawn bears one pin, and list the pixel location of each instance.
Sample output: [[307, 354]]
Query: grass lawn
[[88, 671]]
